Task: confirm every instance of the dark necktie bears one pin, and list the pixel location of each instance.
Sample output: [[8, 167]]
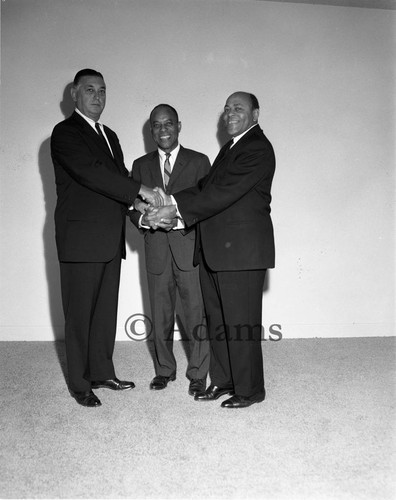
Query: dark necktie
[[99, 130], [167, 170]]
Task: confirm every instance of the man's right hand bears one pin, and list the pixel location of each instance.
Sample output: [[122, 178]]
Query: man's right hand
[[161, 217], [167, 200], [140, 205], [152, 197], [154, 223]]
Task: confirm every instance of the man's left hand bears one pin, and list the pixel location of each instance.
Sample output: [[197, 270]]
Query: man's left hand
[[152, 196], [161, 215]]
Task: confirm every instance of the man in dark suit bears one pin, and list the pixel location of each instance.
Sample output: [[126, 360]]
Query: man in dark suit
[[94, 193], [169, 253], [235, 248]]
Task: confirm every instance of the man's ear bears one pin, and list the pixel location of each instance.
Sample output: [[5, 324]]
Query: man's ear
[[73, 93], [256, 113]]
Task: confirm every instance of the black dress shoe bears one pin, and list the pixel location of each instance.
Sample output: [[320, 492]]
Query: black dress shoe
[[114, 384], [86, 398], [160, 382], [197, 386], [213, 392], [241, 401]]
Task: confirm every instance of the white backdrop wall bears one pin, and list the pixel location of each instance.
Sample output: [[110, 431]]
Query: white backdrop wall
[[324, 78]]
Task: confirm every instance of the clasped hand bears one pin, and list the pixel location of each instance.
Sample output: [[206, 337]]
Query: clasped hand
[[156, 214]]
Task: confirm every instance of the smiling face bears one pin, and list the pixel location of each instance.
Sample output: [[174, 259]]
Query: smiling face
[[165, 128], [239, 114], [90, 96]]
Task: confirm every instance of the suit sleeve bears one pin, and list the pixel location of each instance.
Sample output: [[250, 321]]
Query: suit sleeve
[[205, 168], [133, 214], [71, 151], [202, 170], [228, 184]]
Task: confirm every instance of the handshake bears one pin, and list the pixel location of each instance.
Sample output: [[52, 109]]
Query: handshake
[[157, 209]]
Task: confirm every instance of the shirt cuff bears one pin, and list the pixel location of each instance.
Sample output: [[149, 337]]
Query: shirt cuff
[[178, 214], [143, 226], [180, 224]]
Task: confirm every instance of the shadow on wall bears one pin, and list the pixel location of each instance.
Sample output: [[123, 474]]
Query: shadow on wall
[[221, 135], [134, 239], [51, 258]]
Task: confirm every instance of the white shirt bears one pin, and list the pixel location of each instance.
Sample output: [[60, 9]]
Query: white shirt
[[237, 137]]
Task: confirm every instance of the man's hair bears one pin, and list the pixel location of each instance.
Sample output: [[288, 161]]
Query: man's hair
[[171, 108], [254, 101], [85, 72]]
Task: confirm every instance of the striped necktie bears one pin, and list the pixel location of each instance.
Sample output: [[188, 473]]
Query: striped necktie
[[167, 170]]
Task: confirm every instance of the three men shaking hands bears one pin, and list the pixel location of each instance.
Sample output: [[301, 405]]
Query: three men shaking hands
[[234, 244]]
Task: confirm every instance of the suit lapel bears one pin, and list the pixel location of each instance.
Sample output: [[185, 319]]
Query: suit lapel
[[94, 135], [256, 130], [226, 152], [219, 160], [155, 170], [177, 168], [117, 152], [87, 130], [113, 144]]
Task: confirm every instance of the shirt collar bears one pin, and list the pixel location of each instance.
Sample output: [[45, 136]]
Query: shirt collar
[[173, 153], [89, 120], [237, 137]]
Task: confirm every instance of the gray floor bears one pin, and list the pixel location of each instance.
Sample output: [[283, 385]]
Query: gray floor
[[325, 431]]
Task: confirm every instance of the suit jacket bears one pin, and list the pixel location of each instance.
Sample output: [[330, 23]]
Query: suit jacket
[[189, 167], [232, 206], [93, 191]]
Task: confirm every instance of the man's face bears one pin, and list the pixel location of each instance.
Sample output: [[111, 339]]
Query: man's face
[[238, 114], [165, 129], [90, 96]]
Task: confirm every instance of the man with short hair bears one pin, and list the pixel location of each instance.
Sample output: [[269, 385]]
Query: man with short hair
[[94, 193], [231, 206], [169, 253]]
